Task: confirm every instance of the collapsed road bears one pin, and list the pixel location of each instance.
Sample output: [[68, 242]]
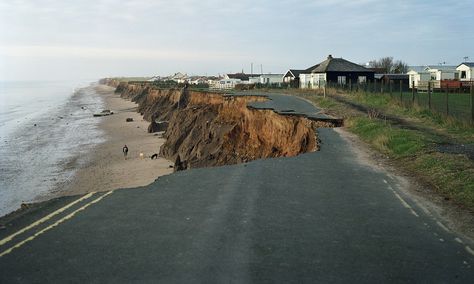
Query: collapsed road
[[325, 216]]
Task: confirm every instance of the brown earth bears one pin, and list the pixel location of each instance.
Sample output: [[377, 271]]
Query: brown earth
[[211, 129]]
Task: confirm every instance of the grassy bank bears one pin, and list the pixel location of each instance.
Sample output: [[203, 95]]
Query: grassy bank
[[412, 138]]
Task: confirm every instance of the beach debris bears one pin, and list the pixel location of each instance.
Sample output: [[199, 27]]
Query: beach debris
[[105, 112], [142, 155], [35, 124], [25, 206], [129, 119]]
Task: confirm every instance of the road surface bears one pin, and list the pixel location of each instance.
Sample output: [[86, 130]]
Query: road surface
[[321, 217]]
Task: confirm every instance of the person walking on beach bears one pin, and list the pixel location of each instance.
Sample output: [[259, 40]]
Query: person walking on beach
[[125, 151]]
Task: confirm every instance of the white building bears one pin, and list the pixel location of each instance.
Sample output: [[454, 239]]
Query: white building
[[312, 80], [420, 76], [271, 78], [179, 78], [228, 83], [466, 71]]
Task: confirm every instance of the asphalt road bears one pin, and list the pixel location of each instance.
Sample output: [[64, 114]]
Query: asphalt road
[[322, 217]]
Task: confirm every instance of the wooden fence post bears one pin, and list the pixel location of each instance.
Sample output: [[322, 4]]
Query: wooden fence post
[[447, 101], [413, 93], [429, 95], [375, 86], [472, 102], [401, 93], [390, 87]]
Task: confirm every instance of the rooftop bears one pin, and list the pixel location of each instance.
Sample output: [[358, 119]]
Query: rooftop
[[332, 64]]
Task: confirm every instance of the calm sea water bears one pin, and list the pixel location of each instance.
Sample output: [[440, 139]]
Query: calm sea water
[[46, 129]]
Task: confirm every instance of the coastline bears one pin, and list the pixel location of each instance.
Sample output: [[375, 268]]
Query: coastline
[[106, 168]]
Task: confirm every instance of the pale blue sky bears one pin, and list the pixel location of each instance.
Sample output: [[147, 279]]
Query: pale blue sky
[[48, 39]]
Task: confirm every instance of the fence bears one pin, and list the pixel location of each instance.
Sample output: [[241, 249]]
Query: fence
[[457, 103]]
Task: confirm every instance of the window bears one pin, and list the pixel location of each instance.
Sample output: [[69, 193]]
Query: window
[[362, 79], [463, 75], [341, 80]]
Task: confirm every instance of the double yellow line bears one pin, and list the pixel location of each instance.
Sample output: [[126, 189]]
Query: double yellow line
[[48, 217]]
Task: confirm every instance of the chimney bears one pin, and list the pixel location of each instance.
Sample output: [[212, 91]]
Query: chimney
[[329, 56]]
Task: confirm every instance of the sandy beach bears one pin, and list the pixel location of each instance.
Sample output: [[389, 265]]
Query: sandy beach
[[107, 168]]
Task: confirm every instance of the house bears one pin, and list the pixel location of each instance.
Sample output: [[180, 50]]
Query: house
[[419, 76], [240, 76], [292, 75], [466, 71], [179, 78], [154, 79], [197, 80], [335, 71]]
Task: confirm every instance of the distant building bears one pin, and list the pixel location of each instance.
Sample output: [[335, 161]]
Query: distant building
[[228, 83], [179, 78], [419, 76], [267, 79], [466, 71], [394, 79], [335, 71], [292, 75]]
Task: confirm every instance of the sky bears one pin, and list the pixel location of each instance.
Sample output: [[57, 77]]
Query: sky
[[89, 39]]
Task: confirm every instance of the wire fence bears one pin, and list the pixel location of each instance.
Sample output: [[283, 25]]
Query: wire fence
[[457, 103]]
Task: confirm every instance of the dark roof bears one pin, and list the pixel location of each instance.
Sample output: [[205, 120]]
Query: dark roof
[[294, 72], [337, 65], [469, 64], [241, 76]]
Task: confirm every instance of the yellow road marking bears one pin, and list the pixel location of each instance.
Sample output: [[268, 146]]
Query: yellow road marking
[[44, 219], [54, 225]]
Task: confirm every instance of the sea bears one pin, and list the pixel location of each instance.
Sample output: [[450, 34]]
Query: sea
[[46, 131]]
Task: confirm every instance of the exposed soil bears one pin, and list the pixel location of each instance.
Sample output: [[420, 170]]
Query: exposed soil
[[211, 129]]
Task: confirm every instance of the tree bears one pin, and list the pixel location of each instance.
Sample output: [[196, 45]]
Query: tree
[[389, 66], [400, 67]]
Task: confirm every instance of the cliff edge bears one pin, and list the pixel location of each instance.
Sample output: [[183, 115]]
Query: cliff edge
[[210, 129]]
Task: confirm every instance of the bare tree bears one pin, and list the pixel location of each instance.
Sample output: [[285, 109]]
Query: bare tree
[[386, 63], [389, 66], [400, 67]]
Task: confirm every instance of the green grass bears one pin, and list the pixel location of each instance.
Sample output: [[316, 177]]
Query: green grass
[[393, 141]]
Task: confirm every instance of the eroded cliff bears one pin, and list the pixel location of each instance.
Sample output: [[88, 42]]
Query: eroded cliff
[[210, 129]]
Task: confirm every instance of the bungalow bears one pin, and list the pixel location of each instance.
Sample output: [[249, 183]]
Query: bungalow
[[466, 71], [335, 71]]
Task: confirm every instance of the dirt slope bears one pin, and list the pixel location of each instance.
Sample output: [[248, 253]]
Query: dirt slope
[[210, 129]]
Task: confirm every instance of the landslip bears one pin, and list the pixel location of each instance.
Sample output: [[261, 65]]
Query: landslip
[[204, 129]]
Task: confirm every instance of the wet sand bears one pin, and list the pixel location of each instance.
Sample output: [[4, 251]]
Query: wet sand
[[107, 168]]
